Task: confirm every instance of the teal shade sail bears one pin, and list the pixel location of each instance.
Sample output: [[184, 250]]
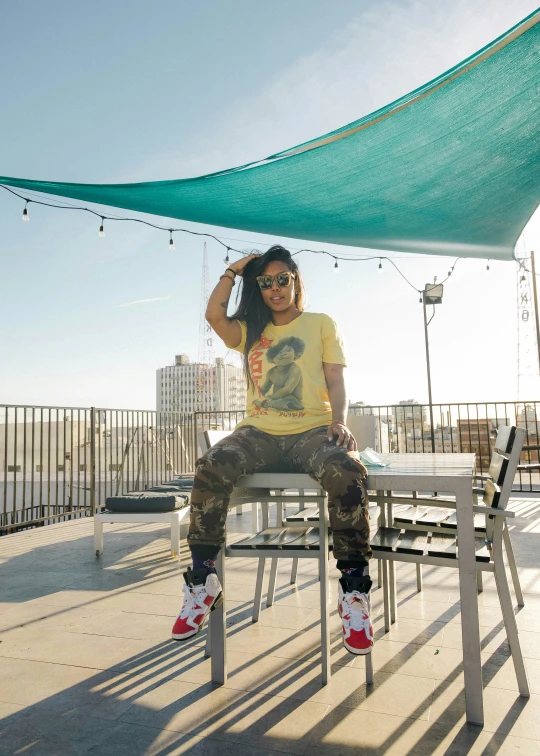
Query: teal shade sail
[[451, 168]]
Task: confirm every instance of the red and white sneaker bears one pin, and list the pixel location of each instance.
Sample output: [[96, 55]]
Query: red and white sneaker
[[202, 594], [354, 609]]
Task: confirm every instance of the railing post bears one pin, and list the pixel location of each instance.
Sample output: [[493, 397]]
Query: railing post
[[195, 439], [92, 461]]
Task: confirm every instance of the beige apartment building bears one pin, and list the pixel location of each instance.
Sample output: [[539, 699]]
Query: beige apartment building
[[187, 387]]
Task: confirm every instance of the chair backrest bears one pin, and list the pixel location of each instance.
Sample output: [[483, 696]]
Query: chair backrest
[[211, 437], [503, 466], [504, 442]]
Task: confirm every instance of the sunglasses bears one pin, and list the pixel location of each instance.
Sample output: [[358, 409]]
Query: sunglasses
[[282, 279]]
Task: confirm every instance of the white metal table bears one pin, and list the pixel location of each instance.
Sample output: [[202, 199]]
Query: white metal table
[[447, 473]]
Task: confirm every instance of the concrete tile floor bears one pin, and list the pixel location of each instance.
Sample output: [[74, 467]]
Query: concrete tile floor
[[87, 667]]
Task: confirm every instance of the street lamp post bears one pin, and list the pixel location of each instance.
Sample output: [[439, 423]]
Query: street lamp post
[[432, 295]]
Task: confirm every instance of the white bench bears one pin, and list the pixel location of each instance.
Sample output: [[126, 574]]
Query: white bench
[[174, 518]]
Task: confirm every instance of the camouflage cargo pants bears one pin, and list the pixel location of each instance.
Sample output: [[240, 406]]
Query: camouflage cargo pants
[[249, 450]]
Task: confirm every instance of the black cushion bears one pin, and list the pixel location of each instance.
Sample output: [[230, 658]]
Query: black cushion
[[146, 501]]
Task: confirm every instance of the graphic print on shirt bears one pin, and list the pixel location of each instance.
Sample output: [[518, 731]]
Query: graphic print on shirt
[[282, 387]]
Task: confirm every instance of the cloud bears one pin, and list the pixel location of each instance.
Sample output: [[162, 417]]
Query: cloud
[[142, 301]]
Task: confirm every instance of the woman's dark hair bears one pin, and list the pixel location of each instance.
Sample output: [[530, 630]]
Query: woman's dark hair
[[296, 344], [251, 309]]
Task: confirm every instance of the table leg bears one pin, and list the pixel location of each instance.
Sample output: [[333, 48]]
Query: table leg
[[392, 566], [381, 522], [324, 592], [274, 562], [470, 629], [392, 585], [218, 634], [383, 566]]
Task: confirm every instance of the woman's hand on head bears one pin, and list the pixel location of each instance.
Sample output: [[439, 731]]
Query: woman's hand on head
[[344, 437], [239, 265]]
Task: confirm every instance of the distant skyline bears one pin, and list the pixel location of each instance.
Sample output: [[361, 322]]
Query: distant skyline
[[168, 90]]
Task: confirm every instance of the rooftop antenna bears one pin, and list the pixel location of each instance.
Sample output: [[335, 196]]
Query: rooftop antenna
[[528, 363], [206, 356], [206, 343]]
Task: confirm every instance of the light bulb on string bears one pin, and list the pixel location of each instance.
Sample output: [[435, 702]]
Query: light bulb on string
[[449, 272], [487, 266], [420, 300], [26, 217]]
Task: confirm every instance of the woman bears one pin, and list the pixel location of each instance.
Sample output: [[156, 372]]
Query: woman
[[295, 421]]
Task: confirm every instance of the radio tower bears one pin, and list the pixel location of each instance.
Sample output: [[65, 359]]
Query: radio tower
[[528, 375], [205, 360]]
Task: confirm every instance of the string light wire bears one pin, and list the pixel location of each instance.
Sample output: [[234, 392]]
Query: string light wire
[[347, 257]]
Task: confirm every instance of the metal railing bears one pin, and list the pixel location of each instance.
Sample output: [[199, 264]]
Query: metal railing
[[404, 428], [468, 427], [57, 463]]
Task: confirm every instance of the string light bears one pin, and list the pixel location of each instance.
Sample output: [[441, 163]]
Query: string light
[[487, 266], [420, 300], [211, 236]]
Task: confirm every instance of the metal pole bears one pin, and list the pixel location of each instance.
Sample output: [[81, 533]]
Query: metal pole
[[92, 461], [536, 307], [428, 373]]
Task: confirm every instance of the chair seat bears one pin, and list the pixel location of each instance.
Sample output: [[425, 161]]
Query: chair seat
[[436, 517], [281, 538], [423, 543]]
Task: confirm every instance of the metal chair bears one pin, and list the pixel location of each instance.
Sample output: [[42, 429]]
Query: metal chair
[[433, 515], [296, 541], [394, 544]]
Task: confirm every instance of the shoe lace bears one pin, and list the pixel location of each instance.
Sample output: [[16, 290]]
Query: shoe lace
[[193, 600], [358, 616]]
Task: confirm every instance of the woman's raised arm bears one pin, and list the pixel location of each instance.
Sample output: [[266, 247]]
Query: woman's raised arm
[[216, 310]]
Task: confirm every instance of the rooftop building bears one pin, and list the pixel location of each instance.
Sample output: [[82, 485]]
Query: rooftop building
[[193, 387]]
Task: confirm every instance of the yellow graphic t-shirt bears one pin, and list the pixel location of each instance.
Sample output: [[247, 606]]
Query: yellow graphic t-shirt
[[291, 395]]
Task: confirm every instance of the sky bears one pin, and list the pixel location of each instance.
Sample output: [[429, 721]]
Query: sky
[[136, 91]]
